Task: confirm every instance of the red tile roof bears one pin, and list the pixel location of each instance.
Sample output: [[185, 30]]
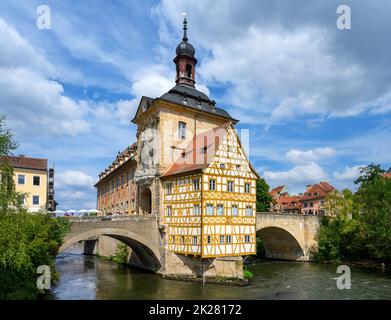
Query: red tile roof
[[199, 152], [276, 190], [317, 191], [23, 162]]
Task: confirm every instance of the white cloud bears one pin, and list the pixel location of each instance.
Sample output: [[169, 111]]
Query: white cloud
[[316, 154], [348, 174], [296, 178], [73, 178], [279, 72]]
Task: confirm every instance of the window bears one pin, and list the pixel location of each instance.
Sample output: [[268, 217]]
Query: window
[[228, 239], [169, 209], [169, 188], [122, 180], [209, 209], [238, 167], [188, 71], [182, 240], [209, 239], [230, 186], [322, 202], [222, 238], [246, 188], [247, 238], [222, 165], [311, 204], [172, 239], [196, 184], [196, 209], [133, 205], [21, 179], [194, 240], [235, 210], [305, 204], [35, 200], [127, 177], [181, 130], [22, 199], [220, 210], [212, 184], [117, 182], [36, 181], [249, 211]]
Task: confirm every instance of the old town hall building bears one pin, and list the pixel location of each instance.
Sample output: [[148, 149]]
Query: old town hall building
[[188, 168]]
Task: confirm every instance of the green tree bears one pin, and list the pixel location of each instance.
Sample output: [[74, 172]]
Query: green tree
[[373, 198], [264, 199], [26, 240]]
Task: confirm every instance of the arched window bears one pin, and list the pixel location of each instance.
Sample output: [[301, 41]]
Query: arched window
[[188, 71]]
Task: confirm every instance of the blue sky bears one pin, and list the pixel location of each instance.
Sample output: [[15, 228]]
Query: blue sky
[[316, 99]]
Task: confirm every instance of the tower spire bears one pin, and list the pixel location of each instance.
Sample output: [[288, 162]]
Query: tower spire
[[185, 60]]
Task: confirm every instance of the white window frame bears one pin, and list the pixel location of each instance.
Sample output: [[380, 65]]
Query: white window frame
[[196, 209], [212, 182], [230, 186], [237, 210], [24, 179], [220, 207], [36, 197], [247, 188], [182, 126], [208, 207]]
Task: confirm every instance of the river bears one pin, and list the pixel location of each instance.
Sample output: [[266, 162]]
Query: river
[[88, 278]]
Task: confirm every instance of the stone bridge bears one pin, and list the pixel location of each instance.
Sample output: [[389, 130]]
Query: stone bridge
[[286, 236], [140, 233]]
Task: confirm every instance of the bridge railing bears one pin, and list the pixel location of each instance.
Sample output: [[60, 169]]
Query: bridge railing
[[112, 218]]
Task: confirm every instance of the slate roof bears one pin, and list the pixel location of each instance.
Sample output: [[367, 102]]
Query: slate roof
[[193, 99]]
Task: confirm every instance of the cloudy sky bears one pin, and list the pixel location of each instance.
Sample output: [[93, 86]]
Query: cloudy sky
[[316, 99]]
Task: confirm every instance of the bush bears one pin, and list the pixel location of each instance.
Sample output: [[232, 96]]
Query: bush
[[121, 254], [247, 274]]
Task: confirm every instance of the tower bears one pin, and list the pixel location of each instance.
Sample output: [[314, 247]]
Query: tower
[[185, 60]]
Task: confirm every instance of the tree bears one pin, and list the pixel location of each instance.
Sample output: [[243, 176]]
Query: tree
[[26, 240], [8, 195], [264, 199]]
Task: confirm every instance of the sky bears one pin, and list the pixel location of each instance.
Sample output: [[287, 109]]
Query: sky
[[316, 99]]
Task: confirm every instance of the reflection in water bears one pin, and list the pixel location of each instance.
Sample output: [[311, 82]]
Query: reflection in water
[[88, 277]]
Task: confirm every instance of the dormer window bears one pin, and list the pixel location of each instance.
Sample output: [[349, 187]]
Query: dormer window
[[182, 130]]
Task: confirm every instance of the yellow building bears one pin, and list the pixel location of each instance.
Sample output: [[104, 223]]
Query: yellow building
[[35, 181], [210, 197]]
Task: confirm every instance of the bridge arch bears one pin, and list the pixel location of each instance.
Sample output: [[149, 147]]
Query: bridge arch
[[281, 244], [147, 253]]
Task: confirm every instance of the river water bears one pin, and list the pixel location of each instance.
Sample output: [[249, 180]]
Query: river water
[[88, 278]]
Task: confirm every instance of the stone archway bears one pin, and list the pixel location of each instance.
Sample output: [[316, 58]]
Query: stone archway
[[280, 244], [147, 253], [146, 201]]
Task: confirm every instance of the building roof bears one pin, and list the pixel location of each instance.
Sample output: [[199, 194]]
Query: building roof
[[191, 98], [317, 191], [128, 154], [289, 202], [388, 174], [276, 190], [23, 162], [199, 153]]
